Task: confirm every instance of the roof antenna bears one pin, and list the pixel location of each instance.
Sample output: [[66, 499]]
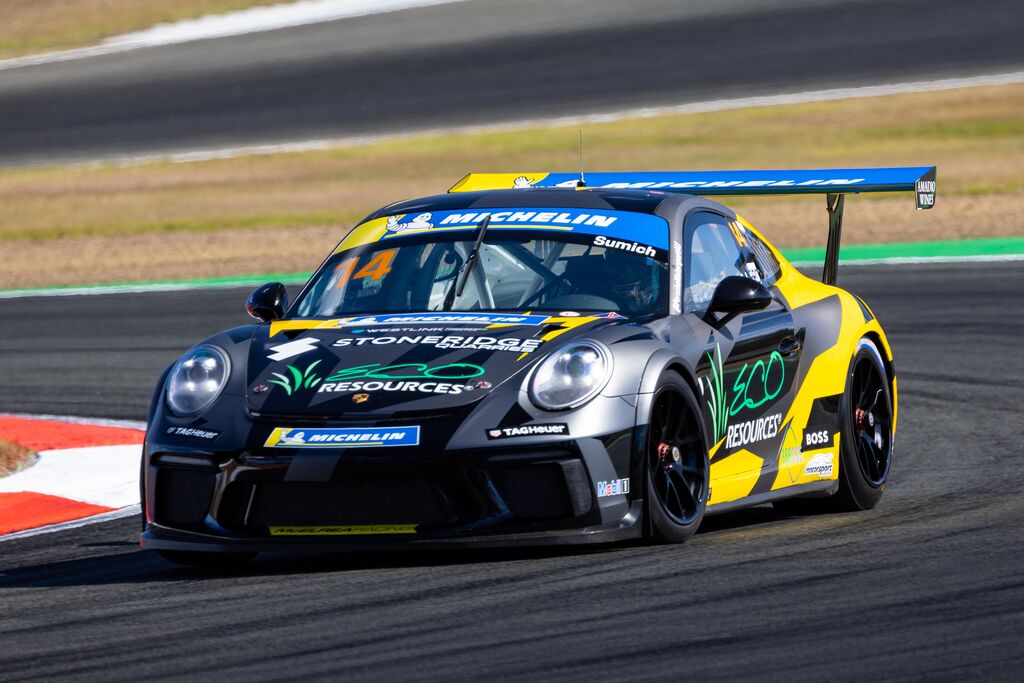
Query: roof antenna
[[582, 181]]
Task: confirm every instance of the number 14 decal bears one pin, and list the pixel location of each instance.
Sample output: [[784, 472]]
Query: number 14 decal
[[377, 267]]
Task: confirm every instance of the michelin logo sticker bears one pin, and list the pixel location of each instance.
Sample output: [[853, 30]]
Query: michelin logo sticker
[[354, 437], [454, 318], [420, 221]]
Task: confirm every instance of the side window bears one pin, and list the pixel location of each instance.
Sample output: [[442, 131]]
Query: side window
[[766, 261], [715, 249]]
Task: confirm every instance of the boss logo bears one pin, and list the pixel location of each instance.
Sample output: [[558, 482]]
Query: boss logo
[[821, 438]]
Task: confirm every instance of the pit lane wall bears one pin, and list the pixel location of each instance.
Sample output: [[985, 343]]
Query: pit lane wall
[[84, 469]]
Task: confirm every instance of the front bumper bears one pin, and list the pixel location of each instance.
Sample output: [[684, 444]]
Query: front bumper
[[261, 501]]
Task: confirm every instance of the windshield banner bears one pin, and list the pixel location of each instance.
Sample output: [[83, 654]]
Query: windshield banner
[[626, 230]]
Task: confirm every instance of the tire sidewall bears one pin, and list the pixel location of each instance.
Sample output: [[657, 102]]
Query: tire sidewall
[[854, 485], [660, 527]]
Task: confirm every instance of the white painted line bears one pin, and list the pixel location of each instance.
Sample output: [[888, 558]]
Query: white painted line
[[916, 260], [142, 287], [802, 97], [100, 475], [128, 511], [96, 421], [254, 20]]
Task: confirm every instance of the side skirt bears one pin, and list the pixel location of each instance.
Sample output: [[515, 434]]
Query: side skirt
[[816, 489]]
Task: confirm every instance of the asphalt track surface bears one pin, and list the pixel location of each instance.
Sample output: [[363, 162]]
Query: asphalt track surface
[[926, 585], [486, 61]]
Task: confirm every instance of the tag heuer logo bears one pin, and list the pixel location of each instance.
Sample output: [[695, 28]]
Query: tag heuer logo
[[551, 429]]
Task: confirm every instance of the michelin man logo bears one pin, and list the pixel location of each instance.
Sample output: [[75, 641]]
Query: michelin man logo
[[523, 182], [420, 221], [298, 438]]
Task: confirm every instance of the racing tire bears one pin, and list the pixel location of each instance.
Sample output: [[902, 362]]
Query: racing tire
[[221, 561], [676, 468], [865, 424]]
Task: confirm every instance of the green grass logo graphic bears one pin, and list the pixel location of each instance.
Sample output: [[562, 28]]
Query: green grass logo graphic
[[715, 394], [299, 380]]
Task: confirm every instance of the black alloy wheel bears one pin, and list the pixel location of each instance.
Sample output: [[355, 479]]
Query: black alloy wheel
[[866, 439], [676, 461], [871, 418], [867, 431]]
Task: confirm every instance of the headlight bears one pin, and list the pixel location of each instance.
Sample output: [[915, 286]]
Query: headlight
[[197, 379], [571, 376]]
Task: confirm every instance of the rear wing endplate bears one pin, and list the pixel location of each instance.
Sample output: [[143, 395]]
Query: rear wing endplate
[[832, 182]]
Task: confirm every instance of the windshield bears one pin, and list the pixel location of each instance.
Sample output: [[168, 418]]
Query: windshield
[[515, 271]]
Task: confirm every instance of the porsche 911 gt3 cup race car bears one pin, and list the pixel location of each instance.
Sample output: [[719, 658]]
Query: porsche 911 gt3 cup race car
[[527, 360]]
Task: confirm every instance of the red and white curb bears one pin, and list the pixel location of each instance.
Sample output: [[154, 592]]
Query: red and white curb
[[87, 471]]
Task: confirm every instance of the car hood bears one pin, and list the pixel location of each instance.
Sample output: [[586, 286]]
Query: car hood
[[382, 365]]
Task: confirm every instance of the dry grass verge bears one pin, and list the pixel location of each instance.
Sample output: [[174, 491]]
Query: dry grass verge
[[32, 26], [277, 213], [14, 457]]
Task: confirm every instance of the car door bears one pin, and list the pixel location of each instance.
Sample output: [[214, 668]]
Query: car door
[[747, 370]]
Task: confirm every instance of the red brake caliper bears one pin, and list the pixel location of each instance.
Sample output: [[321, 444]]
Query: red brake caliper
[[859, 419], [664, 455]]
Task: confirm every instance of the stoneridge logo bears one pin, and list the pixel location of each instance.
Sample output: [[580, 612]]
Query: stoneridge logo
[[452, 342], [352, 437]]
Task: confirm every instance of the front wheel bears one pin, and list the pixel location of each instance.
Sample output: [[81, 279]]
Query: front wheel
[[676, 463]]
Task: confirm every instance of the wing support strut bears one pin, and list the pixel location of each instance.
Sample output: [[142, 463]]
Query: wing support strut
[[834, 205]]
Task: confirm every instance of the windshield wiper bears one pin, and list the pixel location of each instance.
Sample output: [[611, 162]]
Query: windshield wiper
[[467, 269]]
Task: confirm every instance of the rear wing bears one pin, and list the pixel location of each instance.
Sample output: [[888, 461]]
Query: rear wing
[[834, 183]]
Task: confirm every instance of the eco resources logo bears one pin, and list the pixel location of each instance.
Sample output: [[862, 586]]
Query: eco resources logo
[[753, 431], [755, 385], [453, 378]]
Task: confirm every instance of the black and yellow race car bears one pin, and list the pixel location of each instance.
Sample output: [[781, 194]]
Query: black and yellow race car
[[529, 359]]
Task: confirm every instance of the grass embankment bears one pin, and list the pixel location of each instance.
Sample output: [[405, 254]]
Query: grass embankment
[[282, 212], [13, 457], [33, 26]]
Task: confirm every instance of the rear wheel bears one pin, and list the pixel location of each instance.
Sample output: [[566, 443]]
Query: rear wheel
[[207, 560], [676, 463], [867, 431], [865, 423]]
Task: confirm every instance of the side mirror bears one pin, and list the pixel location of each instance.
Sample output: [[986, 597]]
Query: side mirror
[[734, 295], [268, 302]]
